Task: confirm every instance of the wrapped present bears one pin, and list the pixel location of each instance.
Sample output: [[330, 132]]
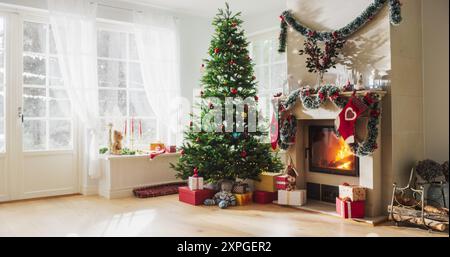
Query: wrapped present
[[243, 199], [240, 188], [263, 197], [267, 182], [350, 209], [285, 182], [194, 197], [157, 146], [355, 193], [171, 149], [195, 182], [294, 197]]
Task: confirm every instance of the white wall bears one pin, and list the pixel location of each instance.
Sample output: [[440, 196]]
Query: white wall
[[435, 78]]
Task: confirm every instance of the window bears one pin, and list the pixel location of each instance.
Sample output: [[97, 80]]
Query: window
[[2, 85], [270, 69], [122, 97], [47, 111]]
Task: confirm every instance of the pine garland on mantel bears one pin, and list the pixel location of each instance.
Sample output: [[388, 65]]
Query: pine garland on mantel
[[314, 98], [287, 19]]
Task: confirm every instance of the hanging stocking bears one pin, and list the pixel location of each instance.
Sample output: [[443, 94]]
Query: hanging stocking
[[345, 122]]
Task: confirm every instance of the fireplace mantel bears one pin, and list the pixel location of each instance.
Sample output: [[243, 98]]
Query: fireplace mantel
[[328, 110], [369, 166]]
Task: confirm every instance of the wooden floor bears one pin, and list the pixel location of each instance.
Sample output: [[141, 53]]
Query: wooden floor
[[166, 216]]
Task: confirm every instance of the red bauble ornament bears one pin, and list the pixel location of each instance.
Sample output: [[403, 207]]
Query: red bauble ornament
[[256, 98], [182, 151], [234, 91], [211, 106], [311, 33], [243, 154], [253, 77], [190, 124], [281, 18], [232, 62], [234, 24], [216, 50]]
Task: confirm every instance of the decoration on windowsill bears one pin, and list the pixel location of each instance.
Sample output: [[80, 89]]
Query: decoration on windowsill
[[320, 60], [117, 142], [312, 98]]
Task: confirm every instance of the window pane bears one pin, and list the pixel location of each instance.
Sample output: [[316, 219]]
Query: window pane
[[52, 44], [149, 133], [133, 54], [111, 73], [59, 103], [53, 68], [33, 70], [111, 44], [60, 134], [278, 76], [34, 135], [262, 76], [112, 102], [276, 56], [139, 105], [34, 102], [135, 75], [34, 37]]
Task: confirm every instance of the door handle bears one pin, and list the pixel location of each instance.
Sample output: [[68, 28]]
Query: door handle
[[20, 114]]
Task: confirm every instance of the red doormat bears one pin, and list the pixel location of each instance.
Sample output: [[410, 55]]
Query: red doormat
[[159, 190]]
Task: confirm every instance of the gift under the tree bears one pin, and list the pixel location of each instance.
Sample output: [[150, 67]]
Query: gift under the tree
[[267, 182], [195, 183], [294, 197], [240, 188], [285, 182], [264, 197], [349, 209], [243, 199], [353, 192], [194, 197]]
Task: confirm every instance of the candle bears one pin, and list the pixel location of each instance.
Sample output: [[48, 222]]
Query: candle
[[140, 129], [125, 128], [132, 126]]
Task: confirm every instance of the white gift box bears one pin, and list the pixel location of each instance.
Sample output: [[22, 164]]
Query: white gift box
[[295, 197], [195, 183], [354, 192]]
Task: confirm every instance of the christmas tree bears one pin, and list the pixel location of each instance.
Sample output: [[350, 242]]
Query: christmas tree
[[228, 148]]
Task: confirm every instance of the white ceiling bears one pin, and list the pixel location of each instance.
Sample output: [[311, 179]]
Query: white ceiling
[[208, 8]]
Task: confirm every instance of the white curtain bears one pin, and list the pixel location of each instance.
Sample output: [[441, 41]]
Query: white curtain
[[73, 23], [157, 43]]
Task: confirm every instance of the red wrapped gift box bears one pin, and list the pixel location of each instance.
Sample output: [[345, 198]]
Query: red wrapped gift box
[[264, 197], [196, 197], [282, 182], [349, 210]]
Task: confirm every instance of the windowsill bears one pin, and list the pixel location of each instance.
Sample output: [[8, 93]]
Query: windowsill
[[137, 156]]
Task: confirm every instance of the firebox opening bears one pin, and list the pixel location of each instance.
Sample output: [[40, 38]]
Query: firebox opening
[[329, 153]]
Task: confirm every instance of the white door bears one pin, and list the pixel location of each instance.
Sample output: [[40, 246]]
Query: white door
[[39, 150]]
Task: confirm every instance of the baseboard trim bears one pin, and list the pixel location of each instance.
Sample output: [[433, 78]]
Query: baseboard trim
[[89, 190]]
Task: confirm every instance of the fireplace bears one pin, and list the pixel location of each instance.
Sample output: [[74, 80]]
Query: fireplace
[[329, 153]]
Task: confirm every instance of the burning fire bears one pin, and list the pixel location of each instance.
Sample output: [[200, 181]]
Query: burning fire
[[344, 156]]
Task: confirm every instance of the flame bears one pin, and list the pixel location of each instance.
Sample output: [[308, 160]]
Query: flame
[[343, 153]]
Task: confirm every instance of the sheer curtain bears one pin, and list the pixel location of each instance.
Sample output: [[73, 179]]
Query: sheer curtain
[[157, 43], [74, 28]]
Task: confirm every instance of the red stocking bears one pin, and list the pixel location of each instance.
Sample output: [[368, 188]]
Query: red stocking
[[345, 122]]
